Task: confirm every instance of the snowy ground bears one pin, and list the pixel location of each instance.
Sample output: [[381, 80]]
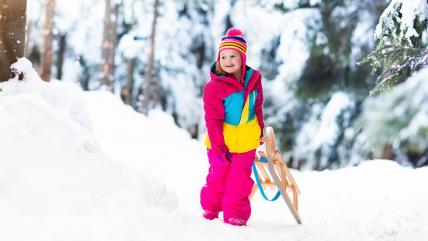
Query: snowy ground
[[81, 166]]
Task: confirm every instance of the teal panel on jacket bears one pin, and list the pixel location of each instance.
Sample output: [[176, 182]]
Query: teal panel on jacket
[[233, 105], [247, 76], [252, 105]]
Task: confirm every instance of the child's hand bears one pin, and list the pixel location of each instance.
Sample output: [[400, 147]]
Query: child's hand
[[225, 156], [262, 140]]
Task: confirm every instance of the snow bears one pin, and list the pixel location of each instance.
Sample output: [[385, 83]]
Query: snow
[[114, 174], [85, 36], [327, 129], [320, 133], [294, 27], [263, 26], [130, 46], [408, 12], [363, 33], [410, 9], [290, 4], [411, 111]]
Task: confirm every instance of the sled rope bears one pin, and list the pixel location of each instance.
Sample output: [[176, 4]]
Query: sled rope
[[260, 186]]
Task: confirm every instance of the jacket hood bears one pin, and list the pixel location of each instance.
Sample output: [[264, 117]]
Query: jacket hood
[[230, 80]]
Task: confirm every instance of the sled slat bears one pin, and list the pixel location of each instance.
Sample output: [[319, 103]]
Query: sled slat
[[274, 174]]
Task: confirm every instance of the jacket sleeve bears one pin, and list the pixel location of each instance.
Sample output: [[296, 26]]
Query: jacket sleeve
[[259, 105], [214, 119]]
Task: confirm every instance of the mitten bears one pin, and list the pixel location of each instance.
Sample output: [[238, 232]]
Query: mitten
[[262, 140], [225, 156]]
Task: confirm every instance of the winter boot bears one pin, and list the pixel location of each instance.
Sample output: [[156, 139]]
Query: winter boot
[[236, 221], [210, 215]]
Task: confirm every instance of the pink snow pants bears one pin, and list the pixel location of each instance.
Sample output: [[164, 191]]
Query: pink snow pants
[[229, 185]]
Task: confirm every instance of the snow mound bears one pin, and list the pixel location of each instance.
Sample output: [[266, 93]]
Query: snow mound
[[54, 177]]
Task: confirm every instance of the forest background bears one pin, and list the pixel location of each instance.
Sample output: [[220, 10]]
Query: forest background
[[334, 71]]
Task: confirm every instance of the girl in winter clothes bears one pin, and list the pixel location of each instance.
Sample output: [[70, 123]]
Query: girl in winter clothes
[[233, 101]]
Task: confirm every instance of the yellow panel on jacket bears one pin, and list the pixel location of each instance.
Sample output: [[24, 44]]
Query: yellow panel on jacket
[[243, 137]]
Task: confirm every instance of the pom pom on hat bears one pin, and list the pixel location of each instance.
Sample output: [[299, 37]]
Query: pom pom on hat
[[234, 32]]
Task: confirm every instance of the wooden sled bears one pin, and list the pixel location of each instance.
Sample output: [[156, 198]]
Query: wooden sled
[[272, 172]]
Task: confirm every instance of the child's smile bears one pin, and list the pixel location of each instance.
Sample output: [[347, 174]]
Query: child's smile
[[230, 61]]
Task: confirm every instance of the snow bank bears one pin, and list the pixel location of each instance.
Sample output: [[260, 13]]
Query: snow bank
[[55, 181]]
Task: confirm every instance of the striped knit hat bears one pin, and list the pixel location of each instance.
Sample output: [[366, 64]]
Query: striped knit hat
[[234, 39]]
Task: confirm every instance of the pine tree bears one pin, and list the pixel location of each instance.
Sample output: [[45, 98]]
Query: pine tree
[[12, 34], [400, 46], [108, 47], [152, 93], [48, 25]]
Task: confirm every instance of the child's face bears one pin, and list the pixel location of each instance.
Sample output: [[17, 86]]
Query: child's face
[[230, 61]]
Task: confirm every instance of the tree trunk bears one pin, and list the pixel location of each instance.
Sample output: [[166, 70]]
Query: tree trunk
[[194, 131], [108, 45], [129, 88], [12, 34], [85, 75], [150, 88], [48, 24], [387, 152], [60, 58]]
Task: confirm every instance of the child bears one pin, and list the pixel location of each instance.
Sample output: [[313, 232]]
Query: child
[[233, 101]]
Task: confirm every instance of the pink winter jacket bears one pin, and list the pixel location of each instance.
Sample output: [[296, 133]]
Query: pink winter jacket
[[233, 112]]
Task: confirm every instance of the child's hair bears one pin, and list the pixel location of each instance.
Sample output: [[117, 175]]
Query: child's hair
[[219, 70]]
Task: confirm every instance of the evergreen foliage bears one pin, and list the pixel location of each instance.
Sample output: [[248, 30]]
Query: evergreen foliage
[[334, 40], [398, 119], [400, 46]]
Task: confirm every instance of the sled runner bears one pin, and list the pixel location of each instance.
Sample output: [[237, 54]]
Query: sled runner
[[270, 171]]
